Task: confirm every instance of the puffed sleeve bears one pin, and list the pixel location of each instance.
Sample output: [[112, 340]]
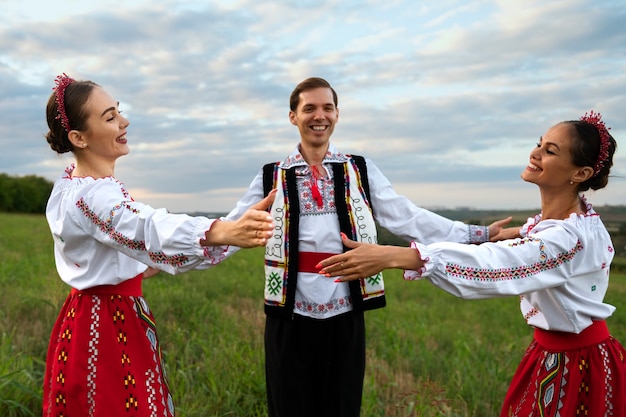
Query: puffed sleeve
[[543, 260], [170, 242]]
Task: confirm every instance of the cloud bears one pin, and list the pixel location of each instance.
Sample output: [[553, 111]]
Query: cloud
[[447, 98]]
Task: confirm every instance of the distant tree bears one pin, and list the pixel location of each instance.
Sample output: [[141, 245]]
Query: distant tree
[[25, 194], [6, 192]]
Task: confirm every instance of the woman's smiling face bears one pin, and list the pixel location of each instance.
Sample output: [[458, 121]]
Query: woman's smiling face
[[105, 135], [551, 161]]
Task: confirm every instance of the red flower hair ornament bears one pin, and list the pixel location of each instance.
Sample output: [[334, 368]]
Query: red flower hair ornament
[[595, 119], [62, 81]]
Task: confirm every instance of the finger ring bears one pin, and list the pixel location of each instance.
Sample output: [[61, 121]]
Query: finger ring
[[258, 233]]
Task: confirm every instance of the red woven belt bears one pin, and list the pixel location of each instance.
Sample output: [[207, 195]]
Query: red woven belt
[[560, 341], [308, 260], [130, 287]]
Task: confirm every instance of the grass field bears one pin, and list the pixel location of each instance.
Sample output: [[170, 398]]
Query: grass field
[[429, 354]]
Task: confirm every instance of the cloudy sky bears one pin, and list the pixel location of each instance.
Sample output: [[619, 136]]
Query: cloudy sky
[[447, 97]]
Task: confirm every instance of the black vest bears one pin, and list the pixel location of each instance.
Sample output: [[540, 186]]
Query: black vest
[[294, 218]]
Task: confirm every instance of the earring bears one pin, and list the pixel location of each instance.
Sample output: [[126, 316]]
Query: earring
[[571, 182]]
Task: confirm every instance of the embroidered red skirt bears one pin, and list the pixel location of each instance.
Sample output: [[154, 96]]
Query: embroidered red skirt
[[104, 358], [563, 374]]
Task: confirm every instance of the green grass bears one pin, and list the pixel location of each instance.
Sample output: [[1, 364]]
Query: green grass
[[428, 353]]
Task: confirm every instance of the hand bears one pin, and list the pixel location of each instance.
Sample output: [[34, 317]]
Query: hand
[[497, 231], [507, 233], [366, 259], [150, 272], [250, 230]]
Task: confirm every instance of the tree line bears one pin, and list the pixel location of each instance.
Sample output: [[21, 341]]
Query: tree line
[[30, 193], [24, 194]]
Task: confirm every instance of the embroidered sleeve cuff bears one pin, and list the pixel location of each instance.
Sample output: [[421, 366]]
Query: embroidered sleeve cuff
[[523, 231], [425, 256], [478, 234], [214, 254]]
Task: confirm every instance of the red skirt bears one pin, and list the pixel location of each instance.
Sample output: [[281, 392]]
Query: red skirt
[[564, 374], [104, 358]]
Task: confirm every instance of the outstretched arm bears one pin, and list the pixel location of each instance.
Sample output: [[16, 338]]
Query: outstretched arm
[[497, 231], [250, 230], [366, 259]]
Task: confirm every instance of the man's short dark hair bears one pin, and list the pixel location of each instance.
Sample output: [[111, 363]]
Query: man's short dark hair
[[306, 85]]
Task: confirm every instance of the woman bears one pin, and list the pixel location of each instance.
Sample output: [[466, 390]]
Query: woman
[[559, 268], [104, 357]]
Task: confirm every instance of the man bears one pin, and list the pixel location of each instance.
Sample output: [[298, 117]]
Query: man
[[315, 329]]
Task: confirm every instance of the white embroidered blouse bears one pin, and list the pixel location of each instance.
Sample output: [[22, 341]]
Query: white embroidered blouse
[[316, 295], [560, 269], [103, 237]]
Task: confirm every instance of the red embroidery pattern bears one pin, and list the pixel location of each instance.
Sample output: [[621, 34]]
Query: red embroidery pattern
[[105, 226], [309, 204], [533, 312], [523, 271], [130, 208], [316, 309]]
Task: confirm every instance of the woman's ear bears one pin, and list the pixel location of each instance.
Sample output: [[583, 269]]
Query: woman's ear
[[77, 140], [582, 174]]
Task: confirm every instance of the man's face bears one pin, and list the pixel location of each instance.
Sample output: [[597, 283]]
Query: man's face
[[315, 116]]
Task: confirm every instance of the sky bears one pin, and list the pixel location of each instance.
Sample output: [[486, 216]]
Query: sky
[[446, 97]]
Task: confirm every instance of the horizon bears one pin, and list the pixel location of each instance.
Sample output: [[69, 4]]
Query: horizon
[[446, 98]]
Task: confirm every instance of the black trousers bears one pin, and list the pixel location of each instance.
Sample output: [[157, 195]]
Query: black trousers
[[315, 367]]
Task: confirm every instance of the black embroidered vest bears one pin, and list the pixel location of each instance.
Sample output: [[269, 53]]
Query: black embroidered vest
[[339, 174]]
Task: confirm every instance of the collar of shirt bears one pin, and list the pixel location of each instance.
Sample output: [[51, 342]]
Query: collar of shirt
[[296, 159]]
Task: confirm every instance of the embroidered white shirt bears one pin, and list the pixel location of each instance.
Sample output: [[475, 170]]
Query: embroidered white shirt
[[103, 237], [560, 269], [318, 296]]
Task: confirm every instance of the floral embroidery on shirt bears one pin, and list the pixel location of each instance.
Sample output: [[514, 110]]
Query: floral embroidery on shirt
[[531, 313], [130, 208], [478, 234], [105, 226], [522, 271], [308, 205], [313, 308], [519, 242], [297, 159]]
